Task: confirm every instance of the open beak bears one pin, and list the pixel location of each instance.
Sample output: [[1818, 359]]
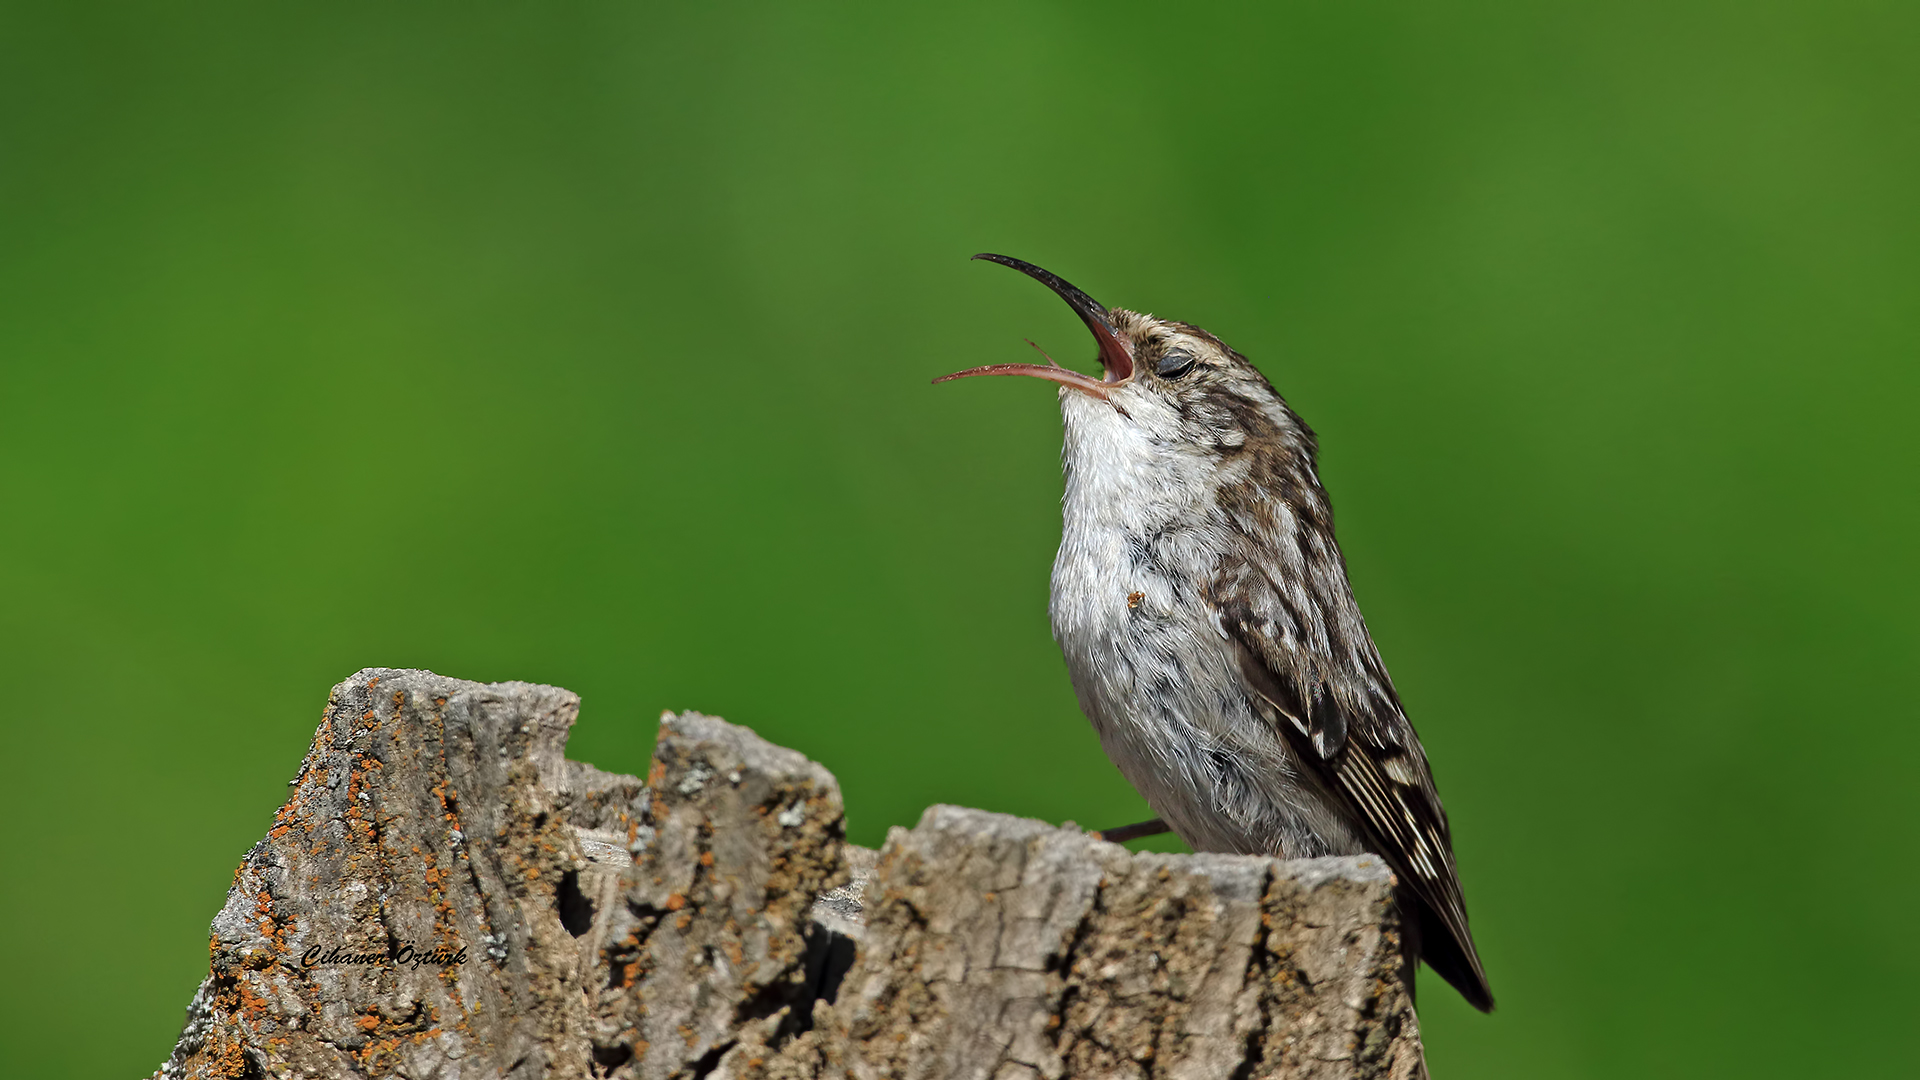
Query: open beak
[[1115, 357]]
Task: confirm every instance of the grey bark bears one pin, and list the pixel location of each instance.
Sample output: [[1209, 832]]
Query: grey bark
[[445, 895]]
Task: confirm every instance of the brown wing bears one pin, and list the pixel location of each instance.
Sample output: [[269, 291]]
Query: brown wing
[[1351, 727]]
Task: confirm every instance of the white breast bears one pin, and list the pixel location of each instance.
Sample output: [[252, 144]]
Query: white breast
[[1153, 670]]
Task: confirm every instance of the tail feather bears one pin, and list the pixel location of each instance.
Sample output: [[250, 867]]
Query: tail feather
[[1443, 954]]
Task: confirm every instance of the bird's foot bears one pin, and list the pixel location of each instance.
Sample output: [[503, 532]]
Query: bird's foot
[[1134, 832]]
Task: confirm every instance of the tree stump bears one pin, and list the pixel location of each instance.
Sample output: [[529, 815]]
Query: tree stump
[[444, 894]]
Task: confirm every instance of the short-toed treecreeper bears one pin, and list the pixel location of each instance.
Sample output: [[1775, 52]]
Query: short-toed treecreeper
[[1212, 637]]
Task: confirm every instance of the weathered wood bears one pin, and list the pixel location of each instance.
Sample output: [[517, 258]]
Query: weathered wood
[[707, 952], [1001, 947], [424, 816], [712, 922]]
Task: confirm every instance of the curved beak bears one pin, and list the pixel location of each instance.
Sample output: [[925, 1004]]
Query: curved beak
[[1115, 356]]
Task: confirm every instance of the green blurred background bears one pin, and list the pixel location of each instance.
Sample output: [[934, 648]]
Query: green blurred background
[[590, 345]]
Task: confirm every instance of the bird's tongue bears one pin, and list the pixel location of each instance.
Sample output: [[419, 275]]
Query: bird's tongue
[[1115, 357]]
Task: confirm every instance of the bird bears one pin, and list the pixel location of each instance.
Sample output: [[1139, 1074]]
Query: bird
[[1210, 632]]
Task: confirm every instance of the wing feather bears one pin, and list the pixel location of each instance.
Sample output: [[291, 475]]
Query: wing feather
[[1351, 728]]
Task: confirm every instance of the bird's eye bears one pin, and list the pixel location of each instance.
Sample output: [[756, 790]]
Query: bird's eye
[[1175, 363]]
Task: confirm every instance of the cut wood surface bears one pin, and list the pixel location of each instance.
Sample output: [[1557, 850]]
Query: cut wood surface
[[444, 894]]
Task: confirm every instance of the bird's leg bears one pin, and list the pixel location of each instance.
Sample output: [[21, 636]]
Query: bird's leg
[[1134, 832]]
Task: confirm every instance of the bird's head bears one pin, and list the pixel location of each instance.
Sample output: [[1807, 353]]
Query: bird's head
[[1173, 380]]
